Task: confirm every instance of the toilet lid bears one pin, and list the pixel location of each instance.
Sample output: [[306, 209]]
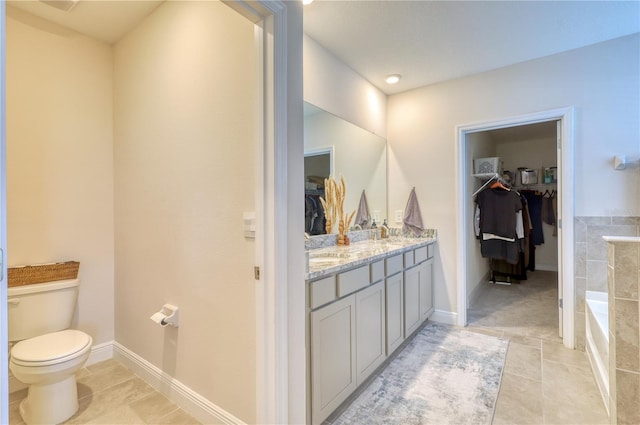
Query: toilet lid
[[50, 348]]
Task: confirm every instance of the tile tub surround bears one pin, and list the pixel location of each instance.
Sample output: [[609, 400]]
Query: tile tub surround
[[335, 258], [623, 270], [590, 260]]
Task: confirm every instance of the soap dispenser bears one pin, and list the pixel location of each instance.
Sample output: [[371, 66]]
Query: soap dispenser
[[384, 230]]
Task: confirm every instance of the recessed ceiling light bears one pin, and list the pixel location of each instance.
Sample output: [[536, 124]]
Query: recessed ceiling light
[[306, 2], [392, 78]]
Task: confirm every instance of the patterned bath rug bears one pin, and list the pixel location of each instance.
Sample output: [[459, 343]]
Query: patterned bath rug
[[445, 375]]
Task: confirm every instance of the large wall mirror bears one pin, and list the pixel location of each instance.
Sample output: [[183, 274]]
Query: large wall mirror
[[336, 147]]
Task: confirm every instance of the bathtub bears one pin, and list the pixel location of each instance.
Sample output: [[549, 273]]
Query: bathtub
[[597, 339]]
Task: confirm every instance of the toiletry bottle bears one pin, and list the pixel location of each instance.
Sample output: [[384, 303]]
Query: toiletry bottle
[[384, 230], [374, 227]]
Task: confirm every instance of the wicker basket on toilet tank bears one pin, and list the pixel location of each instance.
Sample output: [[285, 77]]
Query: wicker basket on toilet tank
[[27, 275]]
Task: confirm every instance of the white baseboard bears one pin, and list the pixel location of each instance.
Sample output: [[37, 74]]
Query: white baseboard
[[193, 403], [446, 317]]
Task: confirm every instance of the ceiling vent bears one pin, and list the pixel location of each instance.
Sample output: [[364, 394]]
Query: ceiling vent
[[65, 5]]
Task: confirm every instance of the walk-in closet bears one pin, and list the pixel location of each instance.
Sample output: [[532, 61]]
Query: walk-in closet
[[512, 247]]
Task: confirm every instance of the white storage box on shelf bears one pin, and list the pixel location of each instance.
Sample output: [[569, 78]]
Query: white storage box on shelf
[[486, 165]]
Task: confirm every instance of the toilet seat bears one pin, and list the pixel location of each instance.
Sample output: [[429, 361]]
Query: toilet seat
[[49, 349]]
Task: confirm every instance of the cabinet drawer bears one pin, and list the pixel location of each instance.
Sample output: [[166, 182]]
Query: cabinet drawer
[[377, 271], [430, 249], [409, 259], [393, 264], [322, 291], [420, 254], [353, 280]]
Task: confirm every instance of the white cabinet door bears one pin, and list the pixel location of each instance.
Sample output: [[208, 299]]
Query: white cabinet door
[[333, 356], [411, 300], [395, 303], [426, 289], [370, 330]]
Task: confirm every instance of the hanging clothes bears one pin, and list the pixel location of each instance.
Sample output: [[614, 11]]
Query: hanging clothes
[[549, 210], [516, 271], [499, 224], [314, 219], [534, 200]]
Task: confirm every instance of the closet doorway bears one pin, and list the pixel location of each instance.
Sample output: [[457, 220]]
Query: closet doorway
[[535, 142]]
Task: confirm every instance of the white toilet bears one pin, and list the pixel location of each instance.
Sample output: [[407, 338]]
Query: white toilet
[[46, 354]]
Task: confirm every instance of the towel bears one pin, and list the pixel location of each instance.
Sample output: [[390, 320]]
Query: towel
[[412, 217], [363, 218]]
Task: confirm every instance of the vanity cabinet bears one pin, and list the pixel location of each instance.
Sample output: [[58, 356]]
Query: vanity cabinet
[[370, 330], [425, 272], [360, 316], [333, 356], [411, 300], [394, 288], [418, 288], [347, 336]]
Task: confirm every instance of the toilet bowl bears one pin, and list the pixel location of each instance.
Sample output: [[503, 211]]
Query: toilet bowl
[[46, 354], [48, 364]]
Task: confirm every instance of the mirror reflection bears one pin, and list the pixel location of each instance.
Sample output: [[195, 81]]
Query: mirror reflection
[[333, 146]]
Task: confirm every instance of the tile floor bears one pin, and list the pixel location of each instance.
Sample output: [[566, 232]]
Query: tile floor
[[543, 382], [111, 394]]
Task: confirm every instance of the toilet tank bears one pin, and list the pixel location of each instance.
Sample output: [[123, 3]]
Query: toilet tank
[[41, 308]]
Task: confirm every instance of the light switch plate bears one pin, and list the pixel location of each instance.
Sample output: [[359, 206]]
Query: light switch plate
[[399, 216], [249, 224]]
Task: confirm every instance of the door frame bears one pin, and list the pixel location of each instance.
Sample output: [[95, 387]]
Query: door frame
[[565, 208], [278, 382]]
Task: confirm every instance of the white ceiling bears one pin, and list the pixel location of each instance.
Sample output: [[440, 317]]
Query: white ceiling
[[434, 41]]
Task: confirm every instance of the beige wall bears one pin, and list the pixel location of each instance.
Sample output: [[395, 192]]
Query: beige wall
[[60, 159], [421, 133], [185, 109]]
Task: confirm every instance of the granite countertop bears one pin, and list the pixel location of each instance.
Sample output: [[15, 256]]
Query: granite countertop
[[333, 259]]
